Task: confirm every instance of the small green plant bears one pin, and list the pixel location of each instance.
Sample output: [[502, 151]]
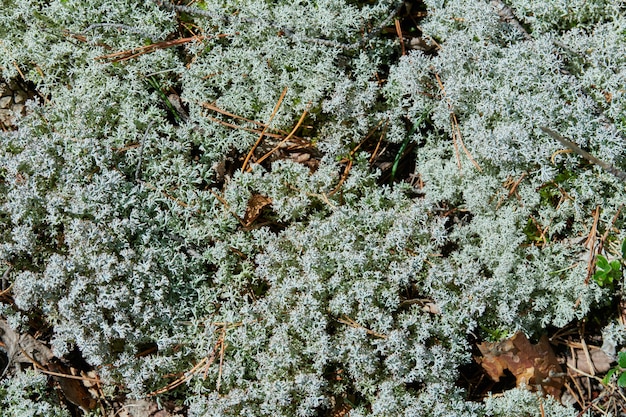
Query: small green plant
[[619, 369], [608, 272], [495, 334]]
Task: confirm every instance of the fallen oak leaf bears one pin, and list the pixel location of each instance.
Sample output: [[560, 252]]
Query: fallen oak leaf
[[534, 366]]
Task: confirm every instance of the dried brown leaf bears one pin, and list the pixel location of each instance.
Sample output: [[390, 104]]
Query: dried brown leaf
[[22, 348], [73, 389], [535, 366], [256, 204]]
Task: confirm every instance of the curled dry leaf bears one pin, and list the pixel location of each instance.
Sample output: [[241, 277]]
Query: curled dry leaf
[[22, 348], [256, 204], [74, 389], [535, 366]]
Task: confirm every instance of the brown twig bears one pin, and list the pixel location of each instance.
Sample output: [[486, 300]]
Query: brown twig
[[247, 129], [608, 229], [289, 136], [343, 177], [399, 32], [221, 341], [512, 190], [350, 159], [204, 364], [227, 206], [572, 146], [382, 135], [590, 243], [457, 138], [135, 52], [258, 142], [206, 361], [229, 114], [347, 320], [166, 195]]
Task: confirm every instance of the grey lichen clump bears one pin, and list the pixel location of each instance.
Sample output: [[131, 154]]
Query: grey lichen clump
[[124, 225]]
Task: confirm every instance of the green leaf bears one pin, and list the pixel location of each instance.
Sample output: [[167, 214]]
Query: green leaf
[[602, 263], [602, 278], [621, 382], [607, 377], [621, 359], [624, 249], [615, 265]]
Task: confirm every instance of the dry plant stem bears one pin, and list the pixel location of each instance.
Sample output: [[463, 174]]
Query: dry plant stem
[[289, 136], [460, 138], [351, 154], [247, 129], [608, 229], [185, 377], [399, 32], [507, 15], [227, 206], [542, 230], [579, 372], [590, 243], [584, 410], [126, 148], [43, 370], [588, 357], [512, 190], [141, 148], [382, 135], [226, 113], [457, 155], [456, 131], [280, 134], [222, 344], [594, 404], [19, 70], [5, 279], [166, 195], [323, 197], [258, 142], [202, 366], [557, 153], [134, 53], [574, 378], [571, 145], [574, 395], [369, 135], [67, 376], [343, 177], [347, 320], [4, 292]]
